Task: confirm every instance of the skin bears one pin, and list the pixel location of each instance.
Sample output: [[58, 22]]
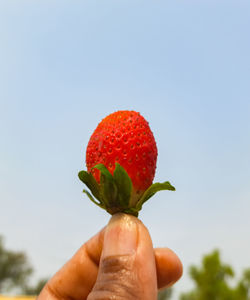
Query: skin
[[119, 262]]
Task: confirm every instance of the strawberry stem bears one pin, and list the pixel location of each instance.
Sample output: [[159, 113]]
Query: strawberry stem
[[115, 193]]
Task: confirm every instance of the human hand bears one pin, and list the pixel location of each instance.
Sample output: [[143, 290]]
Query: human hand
[[117, 263]]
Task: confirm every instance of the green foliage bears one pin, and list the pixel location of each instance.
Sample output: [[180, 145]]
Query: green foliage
[[212, 281], [242, 290], [15, 272], [14, 268]]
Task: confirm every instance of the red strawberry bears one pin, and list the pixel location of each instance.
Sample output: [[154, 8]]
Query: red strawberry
[[123, 150], [124, 137]]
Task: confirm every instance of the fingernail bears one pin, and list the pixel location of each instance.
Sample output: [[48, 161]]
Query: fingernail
[[120, 236]]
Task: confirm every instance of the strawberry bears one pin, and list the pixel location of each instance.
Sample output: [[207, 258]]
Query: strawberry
[[124, 137], [121, 162]]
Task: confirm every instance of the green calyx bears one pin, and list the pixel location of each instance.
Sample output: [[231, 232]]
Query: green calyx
[[115, 193]]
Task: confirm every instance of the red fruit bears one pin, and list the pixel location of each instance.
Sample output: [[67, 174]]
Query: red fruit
[[124, 137], [121, 155]]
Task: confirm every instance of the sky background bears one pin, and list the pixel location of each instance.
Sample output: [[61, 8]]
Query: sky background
[[185, 65]]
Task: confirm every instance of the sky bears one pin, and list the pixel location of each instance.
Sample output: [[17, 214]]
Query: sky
[[185, 65]]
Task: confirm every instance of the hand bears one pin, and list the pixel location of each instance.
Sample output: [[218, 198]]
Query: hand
[[117, 263]]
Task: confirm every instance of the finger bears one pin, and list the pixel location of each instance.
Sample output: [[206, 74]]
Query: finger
[[168, 266], [127, 266], [77, 277]]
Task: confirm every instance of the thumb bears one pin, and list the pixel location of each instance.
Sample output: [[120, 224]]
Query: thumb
[[127, 267]]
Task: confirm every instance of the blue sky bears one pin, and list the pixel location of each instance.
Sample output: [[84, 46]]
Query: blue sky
[[185, 66]]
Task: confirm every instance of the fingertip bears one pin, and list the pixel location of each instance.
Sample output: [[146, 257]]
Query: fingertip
[[169, 267]]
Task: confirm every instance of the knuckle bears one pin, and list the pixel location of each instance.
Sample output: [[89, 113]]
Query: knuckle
[[117, 280]]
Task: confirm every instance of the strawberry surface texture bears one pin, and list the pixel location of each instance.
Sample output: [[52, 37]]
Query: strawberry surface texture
[[121, 161], [124, 137]]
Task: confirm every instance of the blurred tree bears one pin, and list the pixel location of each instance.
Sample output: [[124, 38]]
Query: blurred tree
[[212, 281], [242, 290], [165, 294], [14, 268], [15, 272]]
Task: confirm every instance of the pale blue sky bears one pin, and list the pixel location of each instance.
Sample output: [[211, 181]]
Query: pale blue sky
[[185, 65]]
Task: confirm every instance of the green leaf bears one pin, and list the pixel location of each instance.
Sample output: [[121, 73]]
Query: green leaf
[[90, 182], [108, 189], [154, 188], [103, 171], [92, 199], [123, 184]]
